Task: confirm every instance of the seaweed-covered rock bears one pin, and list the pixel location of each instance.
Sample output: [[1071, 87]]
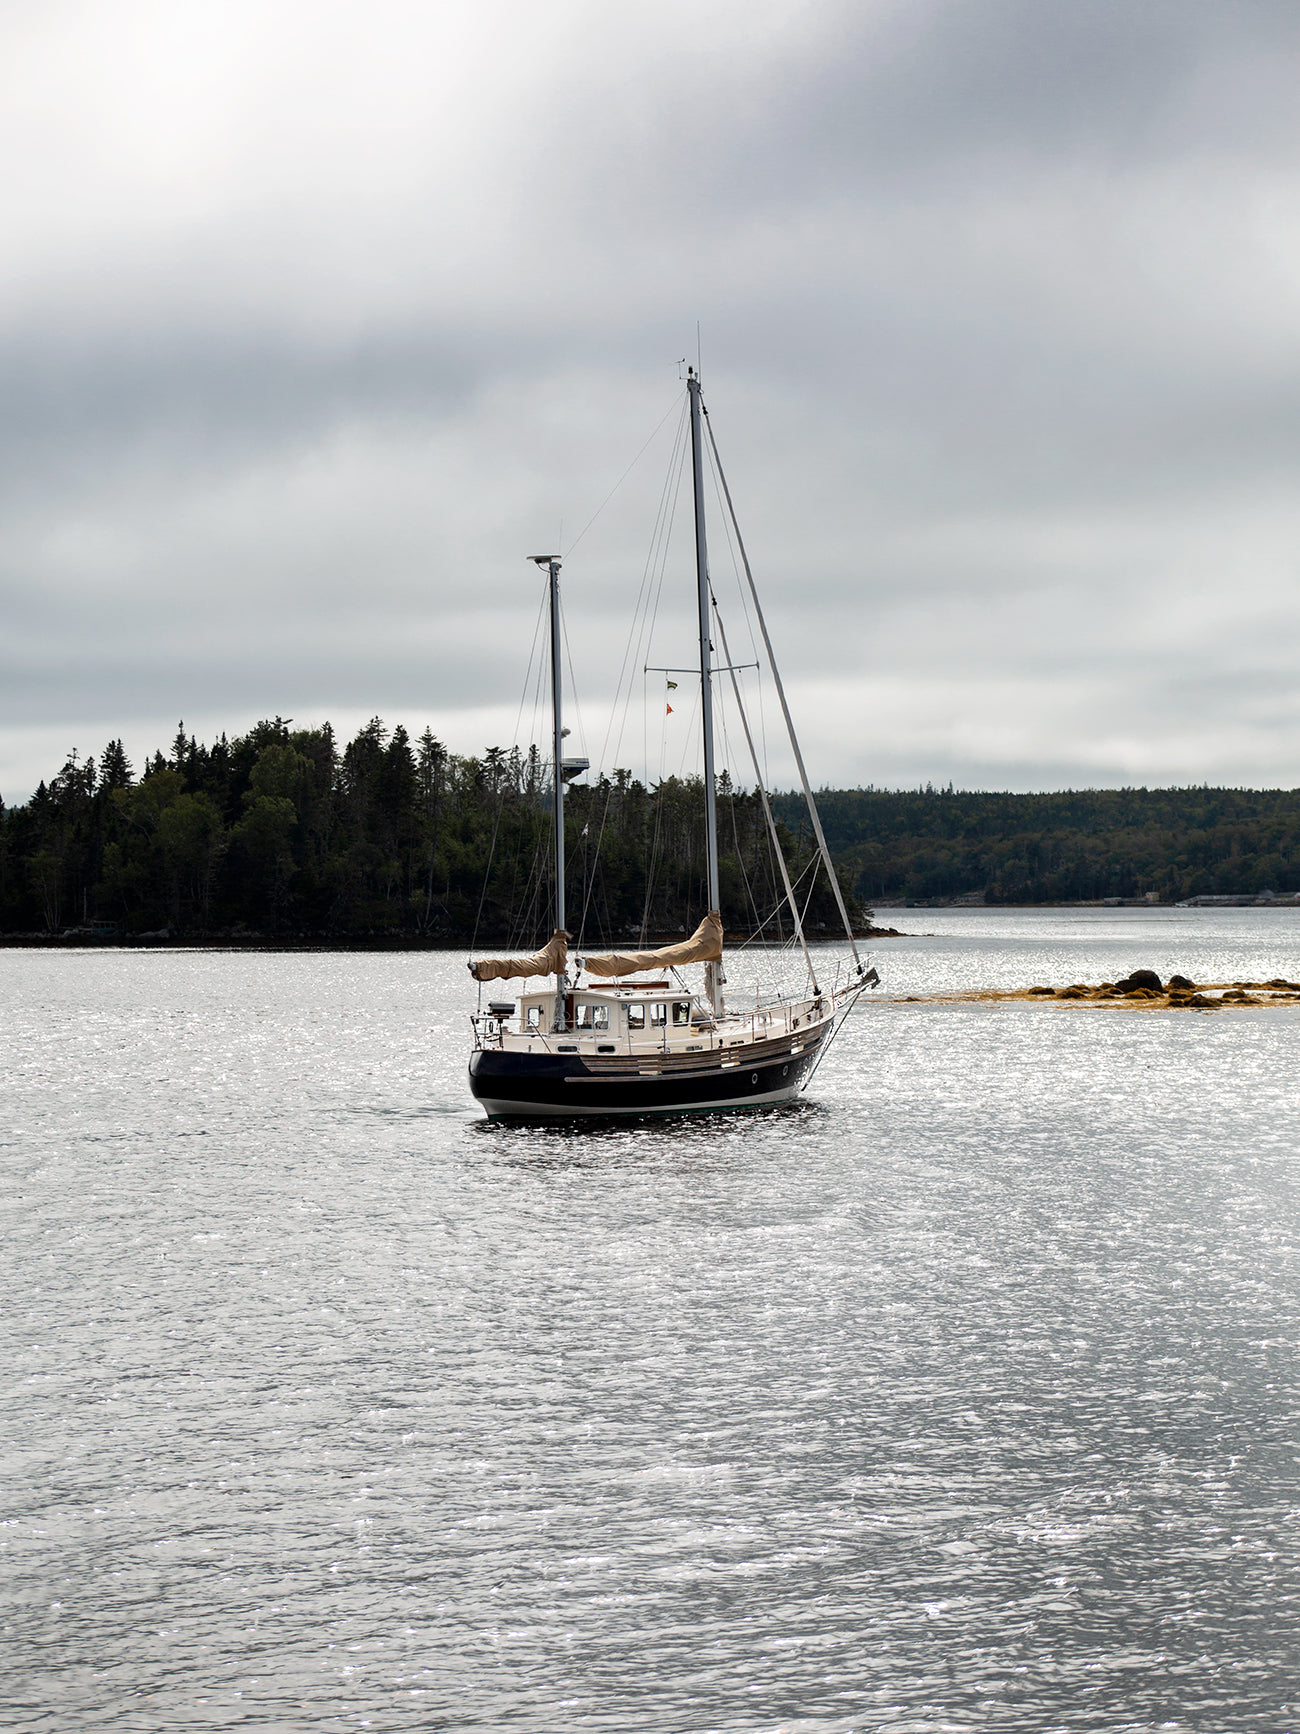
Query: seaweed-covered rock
[[1141, 978], [1181, 981]]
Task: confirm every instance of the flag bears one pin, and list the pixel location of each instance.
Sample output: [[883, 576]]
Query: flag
[[669, 711], [672, 686]]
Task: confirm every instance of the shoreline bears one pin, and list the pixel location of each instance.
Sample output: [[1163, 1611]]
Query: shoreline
[[321, 942]]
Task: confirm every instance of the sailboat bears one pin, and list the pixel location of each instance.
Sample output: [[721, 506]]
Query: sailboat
[[621, 1034]]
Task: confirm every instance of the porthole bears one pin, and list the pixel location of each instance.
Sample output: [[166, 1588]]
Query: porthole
[[753, 1077], [784, 1070]]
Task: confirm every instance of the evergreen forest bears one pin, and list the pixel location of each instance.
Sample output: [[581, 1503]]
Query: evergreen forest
[[284, 835], [1076, 846], [281, 834]]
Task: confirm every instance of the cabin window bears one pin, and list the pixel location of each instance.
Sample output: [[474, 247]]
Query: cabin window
[[636, 1017], [593, 1017], [533, 1018], [658, 1016], [681, 1012]]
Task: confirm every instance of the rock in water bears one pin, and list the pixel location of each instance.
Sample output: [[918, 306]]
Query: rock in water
[[1140, 978]]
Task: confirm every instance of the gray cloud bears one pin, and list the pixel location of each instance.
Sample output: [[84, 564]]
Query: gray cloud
[[311, 331]]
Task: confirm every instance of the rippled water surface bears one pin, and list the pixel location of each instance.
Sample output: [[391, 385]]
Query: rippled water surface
[[964, 1397]]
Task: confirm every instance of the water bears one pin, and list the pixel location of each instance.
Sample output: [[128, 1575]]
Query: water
[[964, 1399]]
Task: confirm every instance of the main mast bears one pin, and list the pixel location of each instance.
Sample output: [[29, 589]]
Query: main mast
[[713, 976], [552, 565]]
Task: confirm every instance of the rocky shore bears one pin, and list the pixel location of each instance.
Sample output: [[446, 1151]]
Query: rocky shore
[[1143, 990]]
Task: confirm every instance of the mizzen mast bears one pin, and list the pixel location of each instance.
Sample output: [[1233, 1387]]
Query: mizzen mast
[[551, 563], [713, 976]]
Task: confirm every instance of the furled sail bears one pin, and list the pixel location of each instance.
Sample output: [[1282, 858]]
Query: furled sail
[[551, 960], [704, 946]]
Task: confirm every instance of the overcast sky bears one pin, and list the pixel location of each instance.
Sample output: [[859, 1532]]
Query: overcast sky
[[315, 319]]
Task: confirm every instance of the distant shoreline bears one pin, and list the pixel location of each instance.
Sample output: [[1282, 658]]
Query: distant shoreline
[[310, 943], [1212, 902], [82, 941]]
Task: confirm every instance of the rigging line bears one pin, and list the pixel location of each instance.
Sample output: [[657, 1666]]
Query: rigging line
[[508, 875], [785, 945], [524, 884], [640, 611], [591, 872], [536, 820], [487, 873], [724, 517], [525, 905], [835, 1030], [538, 877], [532, 654], [637, 628], [731, 532], [642, 623], [652, 591], [767, 805], [650, 615], [657, 828], [740, 862], [690, 742], [527, 835], [789, 720], [771, 843], [672, 495], [535, 726], [759, 921], [572, 702], [589, 878], [762, 724], [652, 863], [812, 886], [809, 866], [626, 473]]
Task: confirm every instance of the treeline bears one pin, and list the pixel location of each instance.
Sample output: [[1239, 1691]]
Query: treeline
[[283, 833], [1068, 847]]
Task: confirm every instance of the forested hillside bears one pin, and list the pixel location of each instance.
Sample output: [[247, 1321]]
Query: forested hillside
[[1094, 843], [283, 833]]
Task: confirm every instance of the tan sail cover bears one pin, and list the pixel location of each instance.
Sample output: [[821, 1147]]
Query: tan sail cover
[[551, 960], [704, 946]]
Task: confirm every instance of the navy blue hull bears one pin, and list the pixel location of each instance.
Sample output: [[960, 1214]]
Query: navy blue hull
[[551, 1086]]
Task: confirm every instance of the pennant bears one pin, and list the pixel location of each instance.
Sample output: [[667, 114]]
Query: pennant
[[669, 711]]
